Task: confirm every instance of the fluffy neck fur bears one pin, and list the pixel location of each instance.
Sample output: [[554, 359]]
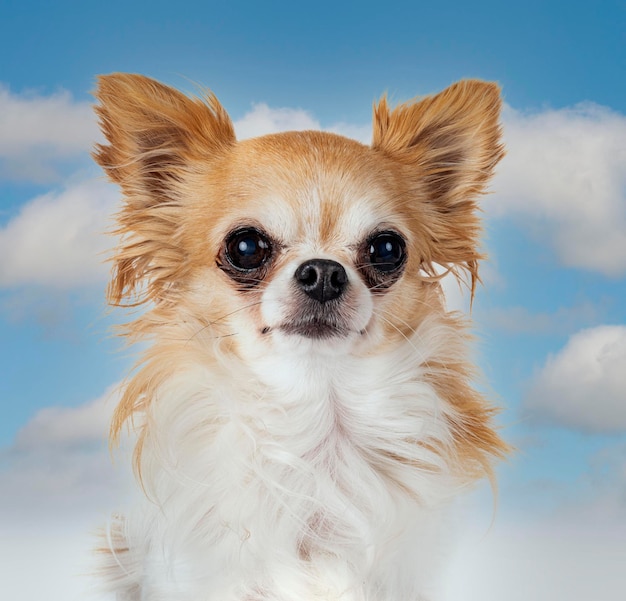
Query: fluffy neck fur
[[305, 477]]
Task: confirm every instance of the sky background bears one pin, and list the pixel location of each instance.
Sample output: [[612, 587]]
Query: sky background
[[551, 316]]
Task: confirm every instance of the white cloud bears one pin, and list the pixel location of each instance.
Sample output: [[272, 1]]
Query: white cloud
[[571, 550], [361, 133], [520, 320], [51, 561], [565, 177], [58, 487], [606, 483], [66, 427], [57, 239], [262, 120], [525, 559], [59, 464], [37, 132], [583, 386]]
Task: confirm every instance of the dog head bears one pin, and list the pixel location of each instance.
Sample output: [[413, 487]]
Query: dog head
[[299, 241]]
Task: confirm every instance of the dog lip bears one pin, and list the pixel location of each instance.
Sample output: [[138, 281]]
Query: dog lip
[[314, 328]]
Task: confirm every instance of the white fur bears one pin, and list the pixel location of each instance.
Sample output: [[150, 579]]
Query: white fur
[[275, 483]]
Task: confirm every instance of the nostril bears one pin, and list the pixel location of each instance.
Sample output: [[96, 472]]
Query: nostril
[[308, 275], [338, 278]]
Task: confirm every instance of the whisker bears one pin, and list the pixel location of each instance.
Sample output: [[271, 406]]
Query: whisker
[[380, 315], [212, 323], [413, 331]]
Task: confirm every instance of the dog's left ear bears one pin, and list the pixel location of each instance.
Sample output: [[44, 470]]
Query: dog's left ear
[[448, 145]]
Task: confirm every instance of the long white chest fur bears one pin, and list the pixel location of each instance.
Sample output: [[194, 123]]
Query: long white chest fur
[[315, 478]]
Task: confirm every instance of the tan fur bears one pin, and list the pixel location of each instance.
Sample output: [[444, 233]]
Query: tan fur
[[182, 173]]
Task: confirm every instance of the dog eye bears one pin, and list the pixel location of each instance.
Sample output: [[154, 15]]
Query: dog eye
[[386, 251], [247, 249]]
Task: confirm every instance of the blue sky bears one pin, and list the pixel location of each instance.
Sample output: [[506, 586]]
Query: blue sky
[[551, 315]]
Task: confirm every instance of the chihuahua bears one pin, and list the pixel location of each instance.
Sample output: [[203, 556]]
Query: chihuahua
[[304, 409]]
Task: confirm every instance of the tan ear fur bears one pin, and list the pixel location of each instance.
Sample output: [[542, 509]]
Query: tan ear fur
[[154, 134], [448, 146]]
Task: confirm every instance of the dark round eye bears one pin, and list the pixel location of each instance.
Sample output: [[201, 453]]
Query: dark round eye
[[247, 249], [386, 251]]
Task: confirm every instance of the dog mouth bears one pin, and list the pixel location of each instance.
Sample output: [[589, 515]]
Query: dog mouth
[[315, 328], [319, 321]]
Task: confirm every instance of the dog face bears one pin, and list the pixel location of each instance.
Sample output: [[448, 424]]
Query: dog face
[[296, 242], [305, 242]]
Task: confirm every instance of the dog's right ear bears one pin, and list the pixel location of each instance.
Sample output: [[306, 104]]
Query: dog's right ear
[[154, 131], [156, 136]]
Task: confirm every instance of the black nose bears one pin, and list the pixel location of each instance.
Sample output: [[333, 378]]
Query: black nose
[[322, 279]]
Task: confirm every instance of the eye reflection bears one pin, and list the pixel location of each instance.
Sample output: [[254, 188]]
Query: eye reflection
[[247, 249], [386, 252]]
